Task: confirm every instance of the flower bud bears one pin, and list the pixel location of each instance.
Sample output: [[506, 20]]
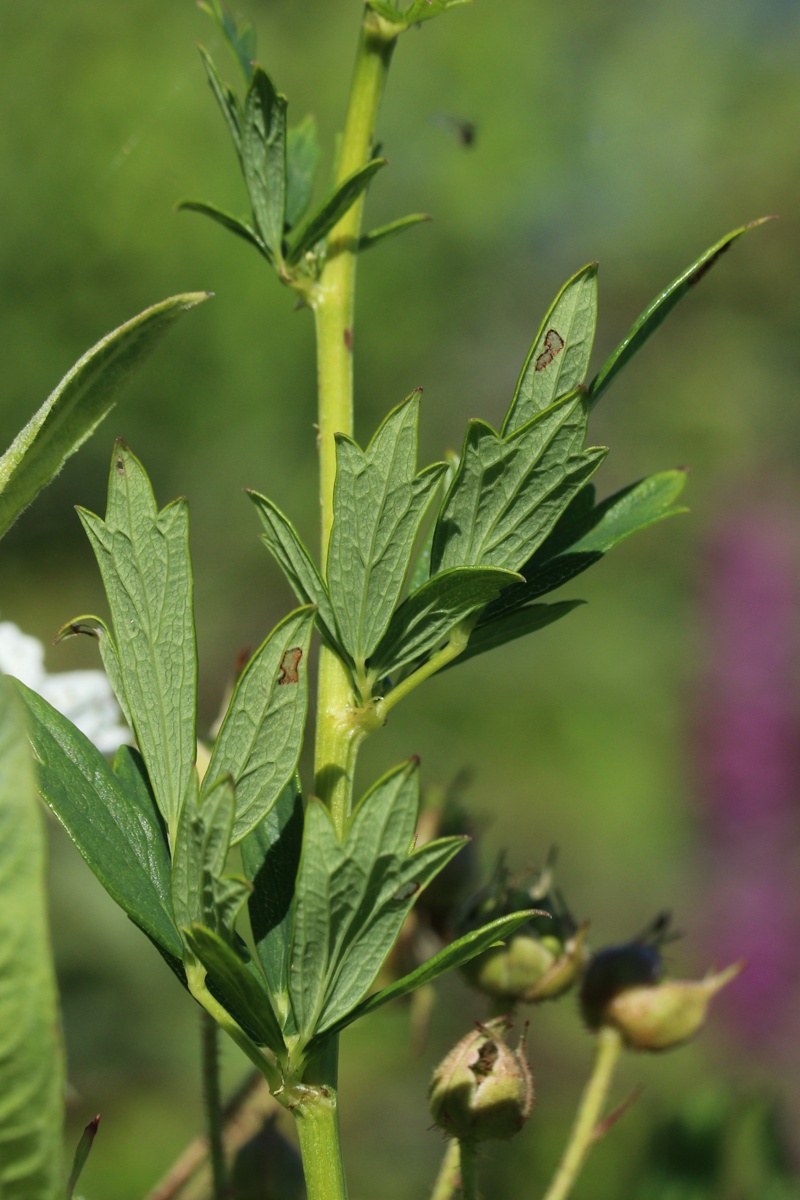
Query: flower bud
[[543, 958], [482, 1090], [624, 988]]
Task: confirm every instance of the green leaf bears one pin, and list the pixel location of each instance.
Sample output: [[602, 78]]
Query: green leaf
[[285, 545], [319, 225], [416, 13], [353, 897], [454, 955], [264, 158], [240, 36], [508, 493], [558, 360], [657, 312], [199, 855], [84, 397], [237, 988], [82, 1152], [143, 557], [31, 1052], [516, 624], [378, 504], [589, 533], [375, 236], [427, 616], [112, 819], [226, 100], [271, 858], [303, 153], [259, 743], [227, 221]]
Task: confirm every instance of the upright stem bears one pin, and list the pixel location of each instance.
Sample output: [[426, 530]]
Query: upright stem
[[338, 734], [469, 1169], [609, 1045], [449, 1178], [333, 302], [212, 1096]]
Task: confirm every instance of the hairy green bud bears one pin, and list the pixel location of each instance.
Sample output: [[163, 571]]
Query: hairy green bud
[[482, 1090]]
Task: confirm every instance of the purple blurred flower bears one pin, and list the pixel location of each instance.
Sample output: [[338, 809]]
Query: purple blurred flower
[[749, 765]]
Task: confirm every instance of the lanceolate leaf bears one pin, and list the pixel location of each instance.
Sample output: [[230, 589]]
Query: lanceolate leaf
[[427, 616], [226, 99], [79, 403], [240, 36], [199, 854], [284, 543], [508, 493], [231, 223], [376, 236], [264, 158], [318, 226], [143, 556], [31, 1053], [302, 159], [451, 957], [589, 533], [237, 988], [516, 624], [271, 858], [558, 360], [378, 504], [262, 732], [112, 819], [659, 310], [353, 897]]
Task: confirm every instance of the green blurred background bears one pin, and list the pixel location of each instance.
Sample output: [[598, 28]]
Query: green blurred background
[[632, 134]]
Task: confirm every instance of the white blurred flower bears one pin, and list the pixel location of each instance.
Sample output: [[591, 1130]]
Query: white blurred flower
[[85, 697]]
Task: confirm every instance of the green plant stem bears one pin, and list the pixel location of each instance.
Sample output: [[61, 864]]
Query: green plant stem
[[317, 1117], [468, 1162], [456, 644], [447, 1180], [609, 1045], [333, 302], [212, 1096]]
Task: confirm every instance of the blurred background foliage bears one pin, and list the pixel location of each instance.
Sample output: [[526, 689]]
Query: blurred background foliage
[[652, 735]]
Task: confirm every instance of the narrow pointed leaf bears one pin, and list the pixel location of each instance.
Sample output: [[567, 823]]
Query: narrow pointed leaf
[[236, 987], [82, 1151], [591, 534], [226, 100], [262, 732], [319, 225], [353, 897], [461, 951], [286, 547], [80, 402], [199, 854], [427, 616], [240, 36], [508, 493], [143, 557], [559, 357], [271, 858], [378, 504], [31, 1054], [514, 625], [376, 236], [229, 222], [657, 312], [303, 153], [264, 158], [118, 831]]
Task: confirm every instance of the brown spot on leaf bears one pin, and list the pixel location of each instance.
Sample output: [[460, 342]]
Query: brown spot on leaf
[[348, 339], [289, 664], [705, 267], [119, 465], [553, 345]]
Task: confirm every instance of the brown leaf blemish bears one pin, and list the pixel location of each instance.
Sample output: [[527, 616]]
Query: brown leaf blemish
[[553, 345], [289, 664], [348, 339], [705, 267]]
